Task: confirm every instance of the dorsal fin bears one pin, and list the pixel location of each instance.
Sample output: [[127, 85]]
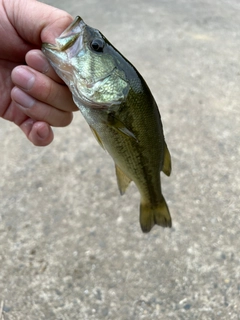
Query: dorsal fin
[[167, 166]]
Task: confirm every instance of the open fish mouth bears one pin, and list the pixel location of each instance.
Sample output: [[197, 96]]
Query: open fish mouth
[[71, 38]]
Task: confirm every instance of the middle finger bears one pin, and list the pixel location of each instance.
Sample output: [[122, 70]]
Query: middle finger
[[43, 88]]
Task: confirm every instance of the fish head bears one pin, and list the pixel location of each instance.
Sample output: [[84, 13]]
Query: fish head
[[89, 65]]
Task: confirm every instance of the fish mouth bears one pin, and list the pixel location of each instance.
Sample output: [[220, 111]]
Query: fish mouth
[[73, 27], [67, 40]]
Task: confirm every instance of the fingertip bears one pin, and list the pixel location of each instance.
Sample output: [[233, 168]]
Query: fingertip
[[41, 134], [62, 20], [36, 60], [67, 119]]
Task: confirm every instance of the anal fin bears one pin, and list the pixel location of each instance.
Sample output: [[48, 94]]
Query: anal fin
[[122, 180]]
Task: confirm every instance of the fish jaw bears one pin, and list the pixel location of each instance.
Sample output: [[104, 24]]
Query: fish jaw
[[67, 39], [68, 45]]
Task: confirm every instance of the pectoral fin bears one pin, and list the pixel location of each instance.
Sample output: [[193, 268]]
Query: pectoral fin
[[122, 180], [167, 166], [97, 137], [119, 126]]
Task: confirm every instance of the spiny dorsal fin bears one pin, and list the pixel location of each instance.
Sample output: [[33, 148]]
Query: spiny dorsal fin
[[122, 180], [167, 166]]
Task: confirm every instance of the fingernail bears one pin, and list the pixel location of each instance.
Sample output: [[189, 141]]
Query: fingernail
[[23, 78], [22, 98]]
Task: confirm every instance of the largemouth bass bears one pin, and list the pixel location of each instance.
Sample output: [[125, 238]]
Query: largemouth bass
[[120, 110]]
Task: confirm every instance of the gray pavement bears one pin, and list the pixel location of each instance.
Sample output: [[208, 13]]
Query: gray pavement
[[70, 246]]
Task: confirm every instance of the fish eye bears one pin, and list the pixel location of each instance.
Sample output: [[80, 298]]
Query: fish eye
[[97, 45]]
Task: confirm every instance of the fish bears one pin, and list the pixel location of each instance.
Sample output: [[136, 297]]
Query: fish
[[121, 111]]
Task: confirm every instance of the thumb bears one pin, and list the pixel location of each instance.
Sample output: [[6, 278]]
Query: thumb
[[35, 21]]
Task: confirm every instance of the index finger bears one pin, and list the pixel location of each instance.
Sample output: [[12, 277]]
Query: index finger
[[37, 60]]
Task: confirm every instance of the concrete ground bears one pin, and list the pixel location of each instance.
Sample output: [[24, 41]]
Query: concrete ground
[[70, 246]]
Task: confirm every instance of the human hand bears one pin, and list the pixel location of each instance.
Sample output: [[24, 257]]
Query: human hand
[[32, 96]]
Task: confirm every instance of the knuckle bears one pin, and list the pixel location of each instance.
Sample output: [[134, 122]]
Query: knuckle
[[48, 92], [45, 90]]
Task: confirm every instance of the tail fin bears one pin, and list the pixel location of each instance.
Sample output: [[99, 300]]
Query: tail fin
[[151, 215]]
